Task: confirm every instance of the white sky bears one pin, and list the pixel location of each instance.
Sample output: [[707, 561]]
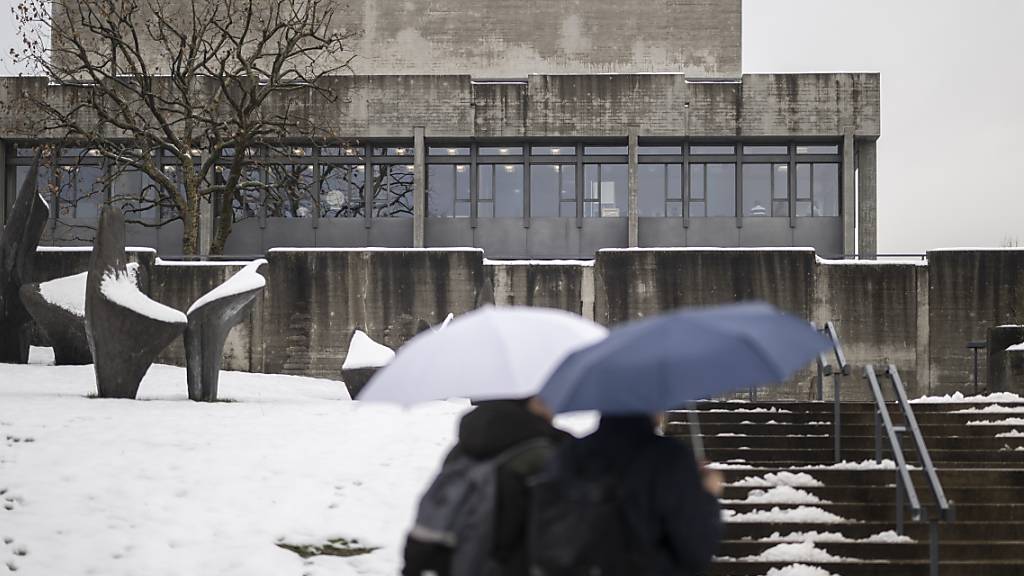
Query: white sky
[[951, 153]]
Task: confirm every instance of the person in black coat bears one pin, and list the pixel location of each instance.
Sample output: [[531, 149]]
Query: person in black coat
[[670, 501], [490, 429]]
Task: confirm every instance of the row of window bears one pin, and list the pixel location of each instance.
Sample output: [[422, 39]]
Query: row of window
[[552, 181]]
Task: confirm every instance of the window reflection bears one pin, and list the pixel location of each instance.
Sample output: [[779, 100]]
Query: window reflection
[[448, 191], [817, 189], [80, 191], [605, 191], [393, 188], [712, 190], [553, 190], [290, 191], [341, 191], [500, 191]]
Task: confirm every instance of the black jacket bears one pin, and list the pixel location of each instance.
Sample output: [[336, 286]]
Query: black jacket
[[487, 431], [672, 516]]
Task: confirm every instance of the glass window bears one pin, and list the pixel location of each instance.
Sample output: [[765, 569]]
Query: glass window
[[448, 190], [341, 191], [341, 151], [553, 150], [80, 191], [708, 150], [606, 150], [448, 151], [394, 151], [553, 190], [500, 191], [291, 151], [826, 189], [136, 195], [290, 191], [605, 190], [393, 189], [660, 150], [500, 151], [818, 149], [766, 150], [757, 190], [803, 181], [246, 203], [25, 151], [780, 190], [712, 190], [651, 192]]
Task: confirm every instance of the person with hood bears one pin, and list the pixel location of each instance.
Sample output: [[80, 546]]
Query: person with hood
[[518, 436], [625, 500]]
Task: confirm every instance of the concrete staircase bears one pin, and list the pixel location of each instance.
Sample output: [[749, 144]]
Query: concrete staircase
[[981, 473]]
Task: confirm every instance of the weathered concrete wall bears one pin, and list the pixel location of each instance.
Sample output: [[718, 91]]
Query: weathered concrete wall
[[631, 284], [513, 38], [546, 285], [919, 317], [315, 299], [874, 309], [970, 291], [179, 284], [548, 105]]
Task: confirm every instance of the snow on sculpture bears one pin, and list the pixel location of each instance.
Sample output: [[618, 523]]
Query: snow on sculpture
[[126, 330], [364, 358], [58, 307], [210, 319], [18, 244]]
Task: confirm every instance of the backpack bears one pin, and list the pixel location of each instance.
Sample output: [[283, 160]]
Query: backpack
[[458, 511], [580, 526]]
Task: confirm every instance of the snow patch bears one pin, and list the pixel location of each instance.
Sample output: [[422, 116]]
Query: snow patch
[[1005, 422], [798, 515], [779, 495], [887, 537], [67, 293], [799, 570], [1015, 347], [244, 280], [730, 466], [729, 435], [885, 464], [992, 409], [1011, 434], [795, 552], [958, 397], [581, 263], [795, 479], [363, 352], [121, 290], [772, 410]]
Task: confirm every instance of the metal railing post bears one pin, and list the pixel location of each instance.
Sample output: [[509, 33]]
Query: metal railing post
[[878, 436], [904, 483]]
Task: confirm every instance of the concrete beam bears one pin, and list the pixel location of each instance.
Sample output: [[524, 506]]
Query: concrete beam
[[419, 200], [867, 201], [633, 208], [849, 195]]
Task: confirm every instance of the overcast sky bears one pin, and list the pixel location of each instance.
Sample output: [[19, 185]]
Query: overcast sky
[[951, 156]]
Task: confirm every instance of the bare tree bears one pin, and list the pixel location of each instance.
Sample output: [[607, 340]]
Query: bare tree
[[181, 92]]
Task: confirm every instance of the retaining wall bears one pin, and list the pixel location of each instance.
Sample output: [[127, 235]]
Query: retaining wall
[[918, 316]]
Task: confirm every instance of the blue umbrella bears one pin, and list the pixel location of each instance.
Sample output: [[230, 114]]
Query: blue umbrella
[[665, 362]]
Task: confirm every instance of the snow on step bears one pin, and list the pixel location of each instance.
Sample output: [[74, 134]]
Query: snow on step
[[244, 280], [992, 409], [1005, 422], [363, 352], [799, 570], [885, 464], [779, 495], [959, 398], [798, 515], [1011, 434], [121, 290], [887, 537], [795, 479], [772, 410], [792, 552]]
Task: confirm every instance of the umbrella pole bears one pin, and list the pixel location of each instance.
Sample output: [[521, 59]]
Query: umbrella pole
[[696, 439]]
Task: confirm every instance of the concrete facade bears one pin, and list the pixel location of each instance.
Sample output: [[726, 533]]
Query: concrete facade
[[917, 315], [469, 74]]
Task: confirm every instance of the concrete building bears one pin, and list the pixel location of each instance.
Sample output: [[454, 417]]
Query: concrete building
[[542, 129]]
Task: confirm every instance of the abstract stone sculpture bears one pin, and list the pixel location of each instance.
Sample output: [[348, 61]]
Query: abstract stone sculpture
[[58, 307], [210, 319], [125, 329], [363, 360], [17, 252]]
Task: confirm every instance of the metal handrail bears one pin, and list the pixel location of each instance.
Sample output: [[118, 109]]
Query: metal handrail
[[946, 510], [825, 369], [903, 480]]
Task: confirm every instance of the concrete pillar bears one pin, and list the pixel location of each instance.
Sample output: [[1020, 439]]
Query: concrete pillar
[[1005, 367], [3, 183], [206, 230], [633, 208], [849, 195], [587, 292], [867, 201], [923, 344], [419, 199]]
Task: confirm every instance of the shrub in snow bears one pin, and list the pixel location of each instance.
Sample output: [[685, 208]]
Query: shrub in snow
[[210, 319], [125, 328]]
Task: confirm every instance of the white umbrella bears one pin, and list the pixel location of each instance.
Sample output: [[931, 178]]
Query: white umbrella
[[488, 354]]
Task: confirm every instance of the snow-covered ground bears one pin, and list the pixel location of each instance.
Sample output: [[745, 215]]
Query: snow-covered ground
[[168, 486]]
